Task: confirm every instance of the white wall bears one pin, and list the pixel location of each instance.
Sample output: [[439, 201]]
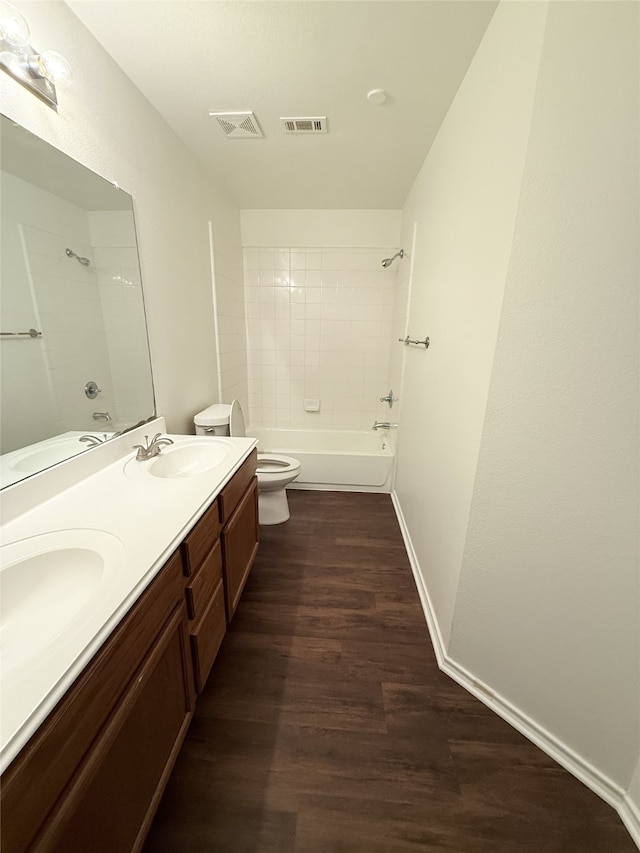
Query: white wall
[[518, 468], [230, 318], [105, 123], [550, 569], [463, 204], [321, 228]]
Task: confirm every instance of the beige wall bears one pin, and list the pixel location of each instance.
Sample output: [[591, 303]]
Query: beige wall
[[321, 228], [550, 569], [518, 468], [106, 124], [464, 205]]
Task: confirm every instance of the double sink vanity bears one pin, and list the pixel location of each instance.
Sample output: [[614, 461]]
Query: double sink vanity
[[119, 578]]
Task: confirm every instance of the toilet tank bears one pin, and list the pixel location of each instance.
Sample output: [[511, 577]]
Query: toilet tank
[[213, 420]]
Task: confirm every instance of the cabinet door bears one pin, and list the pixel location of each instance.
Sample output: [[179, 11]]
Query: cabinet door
[[112, 799], [240, 546], [207, 635], [37, 781]]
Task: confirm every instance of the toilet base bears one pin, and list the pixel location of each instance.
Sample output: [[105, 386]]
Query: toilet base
[[273, 507]]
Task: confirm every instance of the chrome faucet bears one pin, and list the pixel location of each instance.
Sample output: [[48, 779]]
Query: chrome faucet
[[101, 416], [93, 440], [384, 425], [150, 448]]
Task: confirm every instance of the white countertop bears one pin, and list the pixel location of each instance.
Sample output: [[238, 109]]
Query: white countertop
[[141, 519]]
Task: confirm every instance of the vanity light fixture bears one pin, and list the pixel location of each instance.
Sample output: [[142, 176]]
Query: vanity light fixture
[[38, 72]]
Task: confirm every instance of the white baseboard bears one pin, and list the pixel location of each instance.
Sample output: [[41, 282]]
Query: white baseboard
[[593, 778], [630, 814]]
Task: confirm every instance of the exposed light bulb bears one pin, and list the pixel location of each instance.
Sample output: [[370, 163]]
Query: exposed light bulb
[[53, 67], [14, 28]]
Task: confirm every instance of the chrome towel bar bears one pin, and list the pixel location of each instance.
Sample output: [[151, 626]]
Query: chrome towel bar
[[32, 333], [406, 341]]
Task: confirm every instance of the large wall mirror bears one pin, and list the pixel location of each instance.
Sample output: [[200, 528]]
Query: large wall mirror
[[74, 356]]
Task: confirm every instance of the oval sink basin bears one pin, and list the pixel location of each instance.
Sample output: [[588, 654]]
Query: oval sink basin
[[51, 583], [45, 455], [187, 459]]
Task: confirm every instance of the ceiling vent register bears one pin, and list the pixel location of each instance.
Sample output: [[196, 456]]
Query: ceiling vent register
[[239, 125], [306, 124]]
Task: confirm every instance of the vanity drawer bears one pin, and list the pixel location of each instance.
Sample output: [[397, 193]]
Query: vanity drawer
[[201, 540], [206, 637], [234, 490], [200, 588]]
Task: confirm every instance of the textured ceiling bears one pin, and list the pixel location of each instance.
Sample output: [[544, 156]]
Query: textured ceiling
[[299, 57]]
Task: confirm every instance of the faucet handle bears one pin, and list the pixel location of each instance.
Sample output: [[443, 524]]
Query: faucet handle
[[390, 399]]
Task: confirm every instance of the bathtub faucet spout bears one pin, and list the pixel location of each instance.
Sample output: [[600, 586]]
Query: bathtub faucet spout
[[384, 425]]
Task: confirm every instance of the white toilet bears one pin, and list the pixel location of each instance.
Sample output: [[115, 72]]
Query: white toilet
[[275, 471]]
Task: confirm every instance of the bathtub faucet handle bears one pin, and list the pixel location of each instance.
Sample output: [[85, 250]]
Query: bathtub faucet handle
[[384, 425]]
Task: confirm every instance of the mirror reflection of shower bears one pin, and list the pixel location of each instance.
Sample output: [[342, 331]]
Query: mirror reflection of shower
[[84, 261], [388, 261]]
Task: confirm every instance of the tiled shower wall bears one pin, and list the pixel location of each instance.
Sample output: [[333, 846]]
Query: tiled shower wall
[[115, 256], [70, 317], [319, 327]]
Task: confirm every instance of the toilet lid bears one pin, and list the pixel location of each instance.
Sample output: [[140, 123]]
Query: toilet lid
[[236, 421], [274, 463]]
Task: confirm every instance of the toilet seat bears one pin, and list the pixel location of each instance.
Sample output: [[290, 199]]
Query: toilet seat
[[274, 463]]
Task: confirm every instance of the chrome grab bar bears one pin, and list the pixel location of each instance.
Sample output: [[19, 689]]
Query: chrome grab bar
[[32, 333], [406, 341]]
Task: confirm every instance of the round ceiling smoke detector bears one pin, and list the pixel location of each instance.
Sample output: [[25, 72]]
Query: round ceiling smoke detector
[[377, 96]]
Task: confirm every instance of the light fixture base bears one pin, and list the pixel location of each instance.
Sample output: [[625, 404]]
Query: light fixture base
[[17, 63]]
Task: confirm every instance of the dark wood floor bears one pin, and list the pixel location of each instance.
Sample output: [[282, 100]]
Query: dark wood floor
[[326, 726]]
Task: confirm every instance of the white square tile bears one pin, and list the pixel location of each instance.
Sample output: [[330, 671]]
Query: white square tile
[[298, 259], [313, 311], [298, 328], [314, 259], [267, 259], [281, 259]]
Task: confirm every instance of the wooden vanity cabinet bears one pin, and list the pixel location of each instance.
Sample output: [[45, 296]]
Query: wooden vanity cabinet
[[91, 777], [204, 592], [240, 531], [217, 558]]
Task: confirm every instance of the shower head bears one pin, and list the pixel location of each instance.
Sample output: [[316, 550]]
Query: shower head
[[71, 254], [388, 261]]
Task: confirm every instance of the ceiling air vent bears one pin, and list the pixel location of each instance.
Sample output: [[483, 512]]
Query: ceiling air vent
[[314, 124], [239, 125]]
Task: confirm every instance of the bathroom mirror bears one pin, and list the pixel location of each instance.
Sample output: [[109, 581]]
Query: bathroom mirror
[[74, 354]]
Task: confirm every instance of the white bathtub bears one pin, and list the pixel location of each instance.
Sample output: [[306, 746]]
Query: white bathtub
[[358, 460]]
